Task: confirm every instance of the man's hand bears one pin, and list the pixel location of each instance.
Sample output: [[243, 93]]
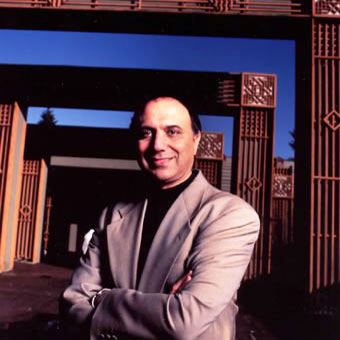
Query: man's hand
[[97, 298], [181, 283]]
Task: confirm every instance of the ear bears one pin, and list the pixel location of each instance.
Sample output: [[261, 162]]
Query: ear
[[197, 138]]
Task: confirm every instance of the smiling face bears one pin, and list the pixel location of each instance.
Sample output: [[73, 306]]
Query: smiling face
[[166, 141]]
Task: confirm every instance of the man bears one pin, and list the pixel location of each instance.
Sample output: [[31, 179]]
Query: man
[[166, 266]]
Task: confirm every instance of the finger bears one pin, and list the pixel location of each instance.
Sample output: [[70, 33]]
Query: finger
[[186, 280], [181, 282]]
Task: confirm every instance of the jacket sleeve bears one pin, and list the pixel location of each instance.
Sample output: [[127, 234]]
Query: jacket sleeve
[[75, 308], [219, 257]]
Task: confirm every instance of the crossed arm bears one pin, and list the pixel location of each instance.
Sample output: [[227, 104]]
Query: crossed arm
[[219, 258]]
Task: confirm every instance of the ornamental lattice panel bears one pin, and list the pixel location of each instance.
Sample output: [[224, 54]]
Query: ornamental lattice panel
[[209, 157], [6, 116], [325, 216], [245, 7], [283, 206], [211, 146], [27, 210], [328, 8], [12, 133], [254, 134], [211, 170], [30, 212], [258, 90], [255, 153]]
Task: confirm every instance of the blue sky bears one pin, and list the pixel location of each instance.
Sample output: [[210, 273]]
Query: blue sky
[[159, 52]]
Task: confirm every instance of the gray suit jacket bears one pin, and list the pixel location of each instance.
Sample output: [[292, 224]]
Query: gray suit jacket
[[207, 231]]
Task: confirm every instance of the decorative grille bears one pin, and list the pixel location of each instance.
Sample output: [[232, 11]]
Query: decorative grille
[[27, 211], [329, 8], [254, 178], [211, 146], [325, 215], [283, 205], [211, 169], [6, 115], [260, 7], [258, 90]]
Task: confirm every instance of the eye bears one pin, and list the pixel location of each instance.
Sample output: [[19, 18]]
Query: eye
[[145, 133], [173, 132]]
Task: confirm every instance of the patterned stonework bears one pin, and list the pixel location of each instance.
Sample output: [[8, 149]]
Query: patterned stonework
[[283, 186], [327, 7], [258, 90], [333, 120], [211, 146]]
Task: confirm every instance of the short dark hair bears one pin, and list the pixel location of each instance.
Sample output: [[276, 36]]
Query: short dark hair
[[134, 124]]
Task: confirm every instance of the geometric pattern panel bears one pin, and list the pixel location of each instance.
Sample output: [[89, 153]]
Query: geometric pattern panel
[[283, 7], [211, 169], [211, 146], [333, 120], [253, 124], [28, 210], [325, 149], [326, 42], [253, 184], [283, 206], [283, 221], [326, 132], [6, 116], [155, 5], [327, 7], [254, 174], [283, 186], [258, 90], [325, 242], [25, 210]]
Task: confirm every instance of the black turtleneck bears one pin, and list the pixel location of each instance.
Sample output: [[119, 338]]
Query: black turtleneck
[[159, 202]]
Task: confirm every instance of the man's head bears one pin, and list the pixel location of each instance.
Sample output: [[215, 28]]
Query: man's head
[[167, 140]]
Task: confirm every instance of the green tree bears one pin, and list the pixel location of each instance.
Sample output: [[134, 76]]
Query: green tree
[[47, 118]]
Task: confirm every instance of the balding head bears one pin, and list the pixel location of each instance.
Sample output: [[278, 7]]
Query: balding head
[[135, 121], [166, 140]]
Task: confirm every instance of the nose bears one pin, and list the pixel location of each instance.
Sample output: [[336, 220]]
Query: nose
[[159, 142]]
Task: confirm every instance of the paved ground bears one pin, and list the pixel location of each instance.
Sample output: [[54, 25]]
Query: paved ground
[[29, 308]]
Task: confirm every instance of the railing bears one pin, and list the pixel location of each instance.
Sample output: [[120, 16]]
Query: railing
[[264, 7]]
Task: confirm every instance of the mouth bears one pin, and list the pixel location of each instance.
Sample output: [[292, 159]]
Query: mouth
[[161, 161]]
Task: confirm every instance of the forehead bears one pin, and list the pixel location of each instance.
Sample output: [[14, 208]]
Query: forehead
[[165, 111]]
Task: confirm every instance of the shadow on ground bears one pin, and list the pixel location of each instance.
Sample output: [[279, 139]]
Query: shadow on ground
[[269, 309], [41, 327], [286, 313]]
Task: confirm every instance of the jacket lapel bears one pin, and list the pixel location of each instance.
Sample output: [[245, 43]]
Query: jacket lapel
[[170, 236], [124, 237]]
